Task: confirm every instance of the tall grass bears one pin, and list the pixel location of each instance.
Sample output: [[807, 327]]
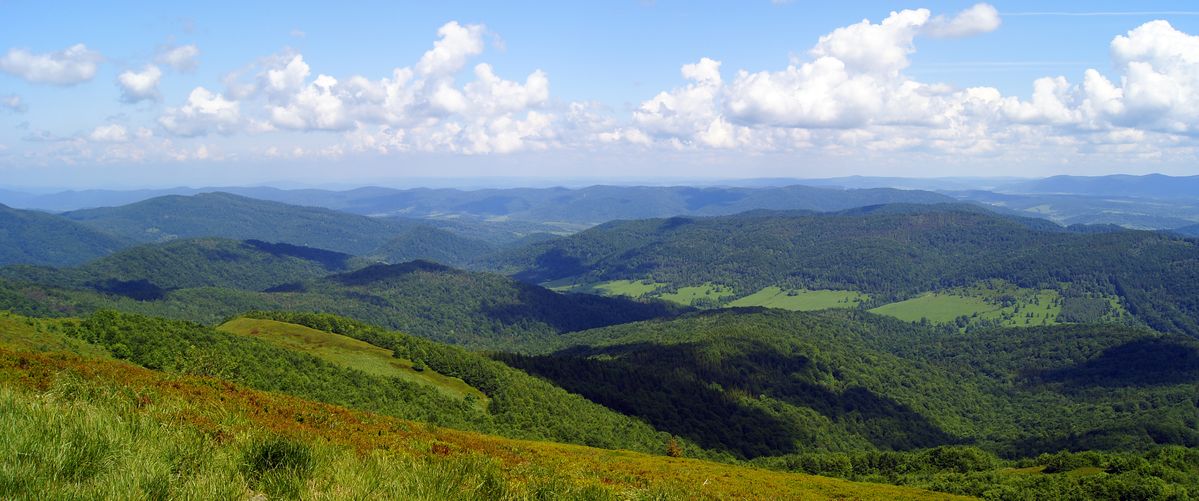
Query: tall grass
[[84, 440]]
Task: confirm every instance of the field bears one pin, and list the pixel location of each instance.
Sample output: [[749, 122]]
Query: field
[[801, 300], [350, 352], [630, 288], [89, 428], [698, 295], [992, 303]]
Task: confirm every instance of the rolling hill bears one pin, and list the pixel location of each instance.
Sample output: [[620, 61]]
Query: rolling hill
[[474, 309], [1118, 185], [93, 427], [147, 272], [236, 217], [30, 237], [889, 252], [433, 244], [768, 382]]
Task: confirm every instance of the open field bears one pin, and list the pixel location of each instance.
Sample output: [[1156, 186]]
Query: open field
[[991, 302], [690, 295], [352, 353], [801, 300]]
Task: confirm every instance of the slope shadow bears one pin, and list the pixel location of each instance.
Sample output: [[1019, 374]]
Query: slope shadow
[[573, 312], [1149, 361], [691, 391]]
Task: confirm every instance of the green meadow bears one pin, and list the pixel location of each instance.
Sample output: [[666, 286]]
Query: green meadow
[[802, 299], [349, 352]]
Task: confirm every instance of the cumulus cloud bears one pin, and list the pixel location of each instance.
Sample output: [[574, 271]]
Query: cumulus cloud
[[978, 19], [450, 53], [13, 103], [180, 58], [69, 66], [140, 86], [852, 95], [111, 133], [419, 107], [204, 112]]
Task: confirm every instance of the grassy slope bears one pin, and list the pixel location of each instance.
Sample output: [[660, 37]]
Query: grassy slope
[[691, 294], [801, 300], [993, 301], [349, 352], [97, 428]]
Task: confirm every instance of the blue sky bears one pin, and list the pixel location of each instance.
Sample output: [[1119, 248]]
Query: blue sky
[[153, 94]]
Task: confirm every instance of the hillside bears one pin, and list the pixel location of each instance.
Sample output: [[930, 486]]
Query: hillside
[[432, 244], [29, 237], [891, 253], [768, 383], [478, 310], [97, 428], [236, 217], [148, 272]]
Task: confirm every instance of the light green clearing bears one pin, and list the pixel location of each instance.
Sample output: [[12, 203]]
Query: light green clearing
[[350, 352], [994, 301], [802, 299], [936, 307], [689, 295], [632, 288]]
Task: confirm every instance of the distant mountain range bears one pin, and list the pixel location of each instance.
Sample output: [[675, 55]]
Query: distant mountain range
[[1119, 185]]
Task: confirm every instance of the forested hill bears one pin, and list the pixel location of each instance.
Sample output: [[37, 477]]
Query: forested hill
[[890, 253], [148, 272], [232, 216], [30, 237], [769, 382], [209, 280]]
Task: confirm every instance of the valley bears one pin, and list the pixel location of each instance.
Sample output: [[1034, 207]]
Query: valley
[[885, 348]]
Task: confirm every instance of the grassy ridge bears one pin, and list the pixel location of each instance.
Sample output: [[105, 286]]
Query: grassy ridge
[[81, 427], [351, 353]]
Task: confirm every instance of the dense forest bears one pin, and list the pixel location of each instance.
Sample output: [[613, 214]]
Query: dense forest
[[890, 252], [479, 310], [845, 380]]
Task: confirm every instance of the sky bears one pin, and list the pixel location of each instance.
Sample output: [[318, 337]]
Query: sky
[[155, 94]]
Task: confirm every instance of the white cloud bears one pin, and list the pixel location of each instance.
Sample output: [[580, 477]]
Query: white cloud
[[852, 97], [204, 112], [417, 108], [139, 86], [449, 54], [181, 58], [978, 19], [69, 66], [112, 133], [13, 103]]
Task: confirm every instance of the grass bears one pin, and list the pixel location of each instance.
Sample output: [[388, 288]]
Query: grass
[[690, 295], [87, 428], [936, 307], [802, 299], [352, 353], [31, 334], [994, 301], [631, 288]]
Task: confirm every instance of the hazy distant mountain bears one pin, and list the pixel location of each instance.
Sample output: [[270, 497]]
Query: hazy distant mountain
[[231, 216], [570, 207], [1136, 213], [30, 237], [1122, 185]]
